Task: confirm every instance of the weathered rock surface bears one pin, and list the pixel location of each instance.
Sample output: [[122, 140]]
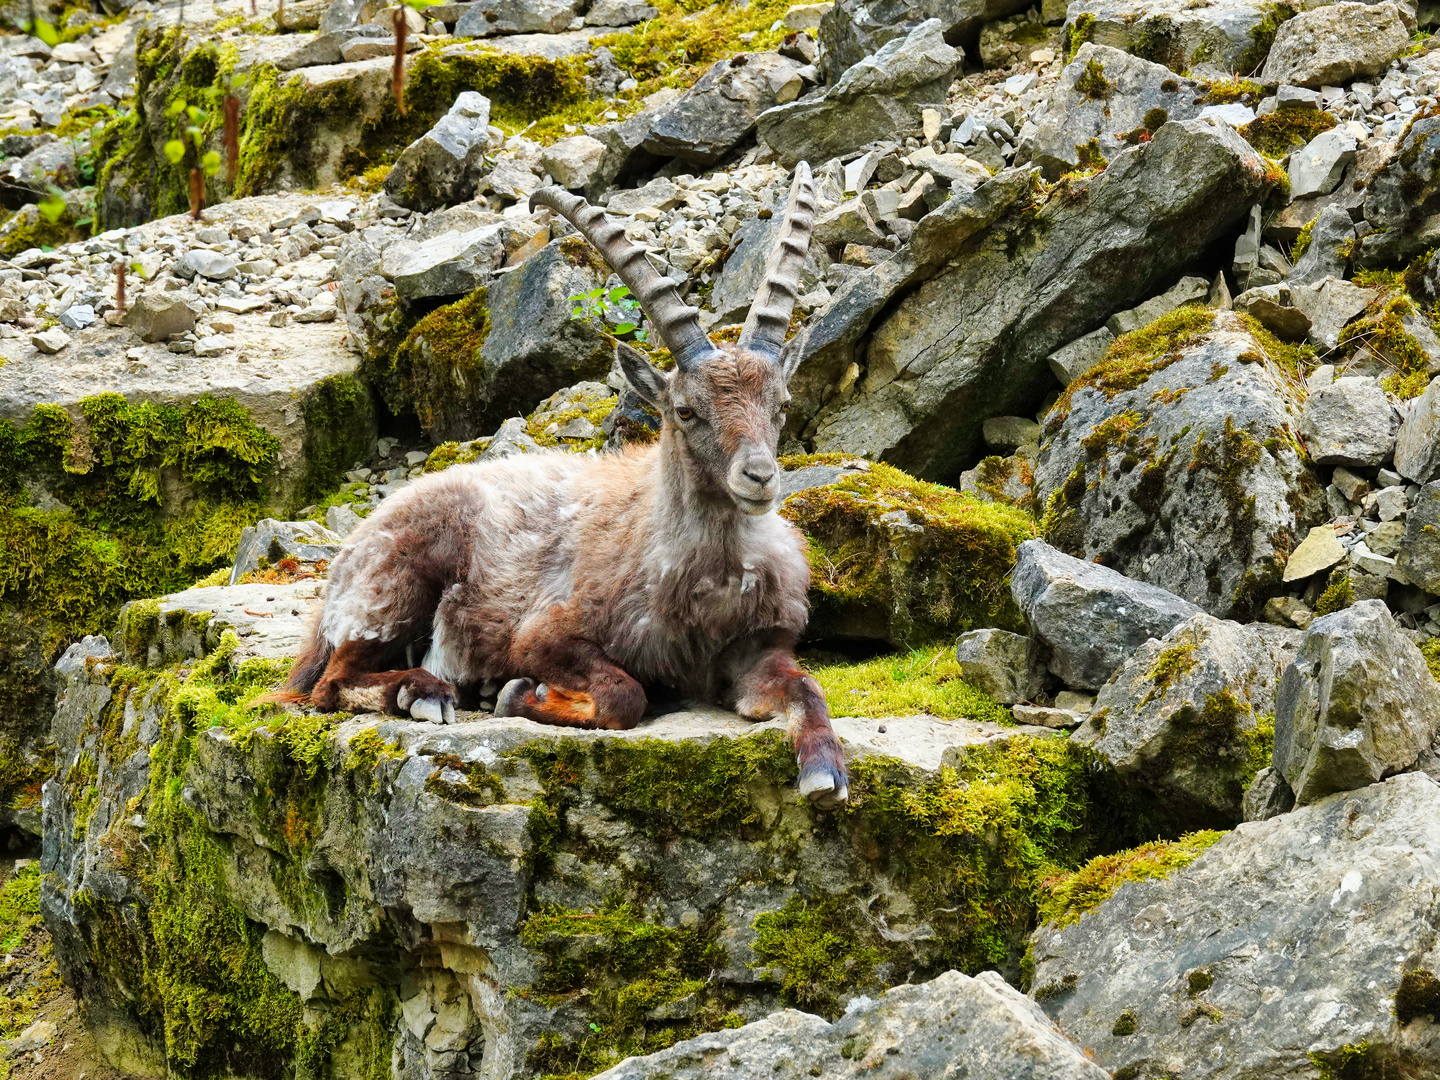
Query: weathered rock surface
[[1417, 444], [1184, 721], [1195, 964], [1418, 560], [852, 30], [1220, 38], [1191, 480], [1333, 44], [1009, 667], [1092, 617], [711, 117], [910, 1031], [303, 541], [973, 340], [879, 94], [1349, 422], [1358, 704], [496, 838], [1106, 94], [442, 166], [1403, 200]]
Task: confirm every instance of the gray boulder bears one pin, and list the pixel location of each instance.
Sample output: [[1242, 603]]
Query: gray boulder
[[1185, 723], [572, 163], [1272, 306], [710, 119], [207, 264], [516, 17], [442, 166], [909, 1032], [1418, 560], [874, 98], [1301, 946], [1267, 796], [1357, 705], [1316, 168], [1332, 238], [1401, 203], [1183, 470], [341, 15], [1109, 95], [1349, 422], [328, 48], [1217, 38], [619, 12], [1009, 667], [1330, 45], [1036, 279], [1092, 618], [155, 315], [1330, 304], [451, 264], [1073, 360], [1417, 444], [854, 29], [306, 542]]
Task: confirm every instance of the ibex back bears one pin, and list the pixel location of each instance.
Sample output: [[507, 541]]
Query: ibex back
[[579, 581]]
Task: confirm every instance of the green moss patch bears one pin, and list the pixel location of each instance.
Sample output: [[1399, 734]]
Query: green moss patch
[[1276, 133], [905, 560], [1431, 651], [815, 945], [438, 365], [1068, 897], [923, 681]]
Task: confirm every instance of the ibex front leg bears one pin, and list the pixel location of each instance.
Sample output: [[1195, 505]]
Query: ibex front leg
[[769, 684]]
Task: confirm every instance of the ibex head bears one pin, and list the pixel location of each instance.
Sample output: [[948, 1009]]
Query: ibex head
[[724, 404]]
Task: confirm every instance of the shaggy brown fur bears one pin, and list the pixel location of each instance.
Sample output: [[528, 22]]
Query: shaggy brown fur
[[581, 582]]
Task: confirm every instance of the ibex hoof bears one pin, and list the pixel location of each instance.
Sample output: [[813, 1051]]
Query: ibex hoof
[[825, 787], [435, 710], [512, 694]]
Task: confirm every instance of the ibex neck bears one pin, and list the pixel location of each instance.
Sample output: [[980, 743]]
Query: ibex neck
[[695, 511]]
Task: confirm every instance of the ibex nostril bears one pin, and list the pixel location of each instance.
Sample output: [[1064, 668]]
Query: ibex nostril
[[760, 476]]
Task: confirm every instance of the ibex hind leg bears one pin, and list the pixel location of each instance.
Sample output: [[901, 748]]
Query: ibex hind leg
[[770, 685], [596, 692], [354, 682]]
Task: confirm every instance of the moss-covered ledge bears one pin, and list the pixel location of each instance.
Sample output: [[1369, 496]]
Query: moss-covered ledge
[[232, 884]]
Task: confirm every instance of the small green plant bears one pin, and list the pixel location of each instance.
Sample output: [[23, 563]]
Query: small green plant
[[615, 309], [194, 131]]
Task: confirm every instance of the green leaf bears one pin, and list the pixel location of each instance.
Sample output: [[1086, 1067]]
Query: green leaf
[[137, 267], [197, 115], [52, 206], [642, 335], [211, 163], [577, 312], [595, 294], [174, 151], [618, 293], [624, 327], [45, 32], [175, 108]]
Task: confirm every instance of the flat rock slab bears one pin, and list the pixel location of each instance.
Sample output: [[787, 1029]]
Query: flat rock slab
[[270, 620], [1279, 952]]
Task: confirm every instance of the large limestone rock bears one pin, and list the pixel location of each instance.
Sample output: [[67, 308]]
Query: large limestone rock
[[898, 561], [948, 348], [1403, 201], [1109, 95], [549, 883], [1335, 43], [1300, 946], [1183, 469], [1184, 721], [1349, 422], [1092, 618], [516, 17], [709, 119], [870, 101], [1417, 444], [909, 1032], [441, 167], [1419, 559], [1218, 38], [853, 29], [1358, 704]]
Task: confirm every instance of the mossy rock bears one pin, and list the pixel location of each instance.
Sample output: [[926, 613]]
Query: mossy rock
[[898, 560], [631, 888], [1175, 461]]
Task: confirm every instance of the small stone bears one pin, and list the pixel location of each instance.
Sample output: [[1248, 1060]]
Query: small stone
[[77, 317], [1009, 667], [1006, 433], [1287, 611], [1351, 486], [50, 341], [1044, 716], [279, 318], [1319, 551], [40, 1033], [207, 264], [213, 345]]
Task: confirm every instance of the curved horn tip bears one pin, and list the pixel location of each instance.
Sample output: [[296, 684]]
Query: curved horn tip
[[547, 197]]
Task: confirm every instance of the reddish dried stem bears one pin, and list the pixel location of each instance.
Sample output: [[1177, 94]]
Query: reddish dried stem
[[232, 138], [397, 74]]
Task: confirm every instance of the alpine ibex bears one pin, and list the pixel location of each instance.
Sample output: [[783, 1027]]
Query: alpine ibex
[[582, 580]]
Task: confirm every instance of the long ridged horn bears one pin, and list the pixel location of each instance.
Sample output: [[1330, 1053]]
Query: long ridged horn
[[677, 323], [769, 319]]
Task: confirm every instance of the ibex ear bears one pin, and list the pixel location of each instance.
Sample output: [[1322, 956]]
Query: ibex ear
[[647, 380]]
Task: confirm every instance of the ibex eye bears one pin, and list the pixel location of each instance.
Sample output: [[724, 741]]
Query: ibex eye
[[784, 406], [685, 413]]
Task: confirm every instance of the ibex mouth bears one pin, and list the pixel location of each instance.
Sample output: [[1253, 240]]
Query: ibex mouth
[[753, 506]]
